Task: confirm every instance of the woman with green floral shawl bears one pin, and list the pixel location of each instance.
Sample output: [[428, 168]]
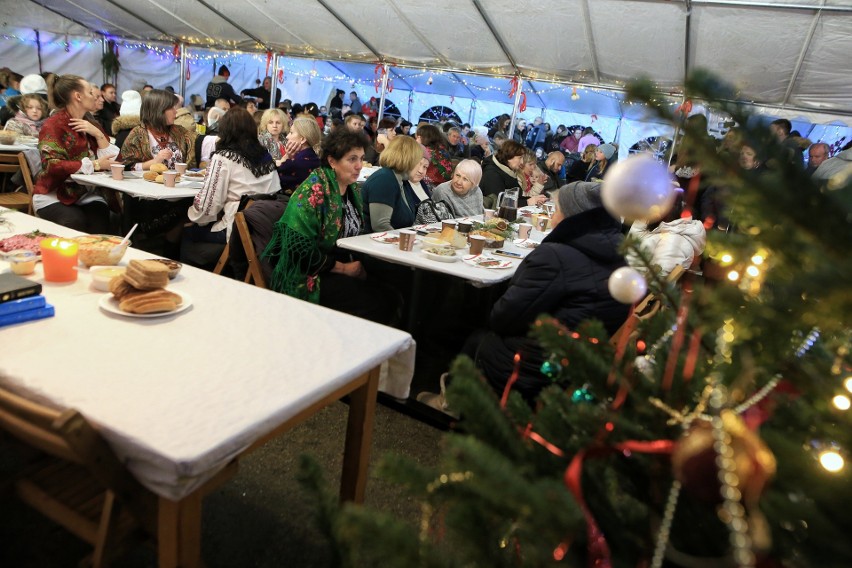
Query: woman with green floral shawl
[[325, 207]]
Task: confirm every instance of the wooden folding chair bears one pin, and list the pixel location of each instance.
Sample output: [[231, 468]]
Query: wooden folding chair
[[646, 308], [12, 164], [77, 481], [254, 272]]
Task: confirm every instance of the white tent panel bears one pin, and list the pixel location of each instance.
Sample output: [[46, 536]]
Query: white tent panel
[[639, 38], [303, 27], [30, 14], [19, 54], [756, 50], [824, 80], [101, 16], [80, 56]]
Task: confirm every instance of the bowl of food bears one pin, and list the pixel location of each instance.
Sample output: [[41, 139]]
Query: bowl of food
[[101, 275], [8, 137], [100, 250], [174, 267], [441, 254]]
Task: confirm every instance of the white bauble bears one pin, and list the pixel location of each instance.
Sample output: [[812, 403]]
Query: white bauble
[[640, 188], [627, 286]]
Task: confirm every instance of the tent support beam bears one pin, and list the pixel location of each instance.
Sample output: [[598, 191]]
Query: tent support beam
[[484, 15], [273, 84], [590, 37], [179, 19], [60, 14], [183, 64], [774, 6], [233, 23], [385, 76], [344, 23], [686, 40], [806, 45]]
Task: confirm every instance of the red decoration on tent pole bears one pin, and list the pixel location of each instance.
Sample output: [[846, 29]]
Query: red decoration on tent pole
[[280, 75], [523, 105], [176, 51], [268, 62], [187, 72], [514, 83], [379, 72]]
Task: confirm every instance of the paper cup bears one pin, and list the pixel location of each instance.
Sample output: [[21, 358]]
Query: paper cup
[[180, 168], [406, 240], [477, 244], [448, 224], [542, 222], [169, 178], [524, 230], [465, 227], [489, 214], [117, 171]]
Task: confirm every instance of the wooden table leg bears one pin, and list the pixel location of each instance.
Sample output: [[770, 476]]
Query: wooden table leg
[[359, 439], [179, 532]]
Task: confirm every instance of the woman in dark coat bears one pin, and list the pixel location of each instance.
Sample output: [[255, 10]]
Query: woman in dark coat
[[500, 172], [566, 277]]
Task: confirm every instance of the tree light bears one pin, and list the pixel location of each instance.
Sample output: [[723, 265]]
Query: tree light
[[848, 383], [733, 275], [841, 402], [727, 258], [831, 461], [752, 271], [757, 259]]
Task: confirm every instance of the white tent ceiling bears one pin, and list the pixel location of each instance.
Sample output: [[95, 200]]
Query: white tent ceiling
[[785, 53]]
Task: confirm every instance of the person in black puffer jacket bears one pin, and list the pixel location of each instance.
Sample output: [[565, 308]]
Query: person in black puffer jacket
[[566, 277]]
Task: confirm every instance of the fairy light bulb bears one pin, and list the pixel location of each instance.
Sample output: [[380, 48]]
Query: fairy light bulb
[[733, 275], [727, 258], [848, 383], [752, 271], [757, 259], [832, 461], [841, 402]]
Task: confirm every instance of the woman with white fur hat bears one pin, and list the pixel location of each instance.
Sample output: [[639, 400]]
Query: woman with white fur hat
[[128, 119]]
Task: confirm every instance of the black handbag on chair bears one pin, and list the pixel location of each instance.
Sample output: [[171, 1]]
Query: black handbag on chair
[[429, 211]]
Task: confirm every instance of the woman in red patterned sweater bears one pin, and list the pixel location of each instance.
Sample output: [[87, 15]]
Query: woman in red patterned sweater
[[69, 144]]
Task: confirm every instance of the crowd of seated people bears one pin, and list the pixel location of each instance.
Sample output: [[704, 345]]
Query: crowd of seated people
[[309, 157]]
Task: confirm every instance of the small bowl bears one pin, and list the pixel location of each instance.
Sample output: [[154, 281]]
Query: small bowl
[[433, 242], [100, 250], [101, 275], [8, 137], [174, 267], [22, 262]]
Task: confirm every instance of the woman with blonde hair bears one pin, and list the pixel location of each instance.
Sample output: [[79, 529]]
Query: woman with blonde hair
[[390, 198], [598, 169], [274, 126], [579, 168], [299, 157]]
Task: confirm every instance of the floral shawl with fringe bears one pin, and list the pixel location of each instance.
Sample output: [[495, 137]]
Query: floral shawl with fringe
[[305, 236]]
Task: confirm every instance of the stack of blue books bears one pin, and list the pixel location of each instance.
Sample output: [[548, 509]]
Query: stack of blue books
[[25, 309]]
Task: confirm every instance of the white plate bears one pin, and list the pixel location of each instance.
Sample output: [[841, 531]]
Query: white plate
[[476, 259], [108, 303], [440, 258], [386, 238], [190, 184], [133, 174], [526, 243]]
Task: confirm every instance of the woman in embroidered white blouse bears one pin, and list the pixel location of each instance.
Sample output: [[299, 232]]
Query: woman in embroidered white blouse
[[240, 165]]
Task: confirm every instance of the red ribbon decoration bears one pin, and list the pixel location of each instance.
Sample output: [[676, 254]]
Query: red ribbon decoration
[[685, 108], [268, 62], [379, 72], [187, 72], [176, 50], [523, 106], [677, 340], [280, 75], [514, 83], [516, 371], [599, 555]]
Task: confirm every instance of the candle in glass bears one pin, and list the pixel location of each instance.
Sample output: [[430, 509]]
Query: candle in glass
[[59, 259]]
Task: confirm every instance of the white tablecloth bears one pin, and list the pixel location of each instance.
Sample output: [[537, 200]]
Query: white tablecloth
[[138, 187], [178, 396]]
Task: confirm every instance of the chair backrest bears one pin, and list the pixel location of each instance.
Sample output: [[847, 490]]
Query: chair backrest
[[17, 162], [68, 435], [645, 308]]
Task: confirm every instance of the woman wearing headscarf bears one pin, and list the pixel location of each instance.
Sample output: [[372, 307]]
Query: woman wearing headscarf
[[70, 144], [462, 192], [326, 207], [158, 140]]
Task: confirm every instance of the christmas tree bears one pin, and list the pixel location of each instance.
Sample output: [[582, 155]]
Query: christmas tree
[[713, 433]]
